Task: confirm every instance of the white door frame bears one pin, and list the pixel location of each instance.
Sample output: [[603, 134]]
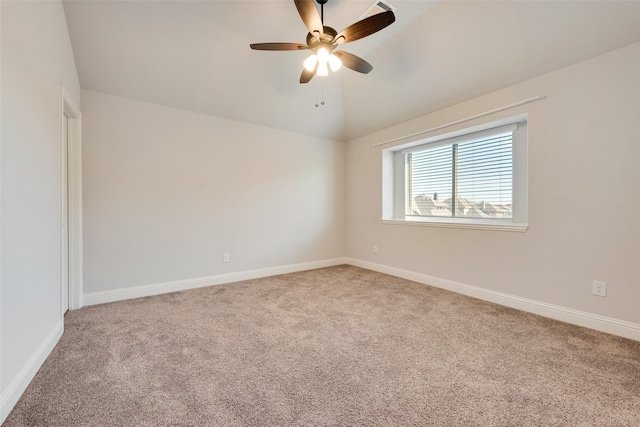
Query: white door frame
[[73, 139], [64, 215]]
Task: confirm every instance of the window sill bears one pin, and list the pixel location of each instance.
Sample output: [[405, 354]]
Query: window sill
[[471, 225]]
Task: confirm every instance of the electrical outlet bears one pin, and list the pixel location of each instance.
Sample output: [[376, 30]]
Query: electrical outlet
[[375, 249], [225, 257], [599, 288]]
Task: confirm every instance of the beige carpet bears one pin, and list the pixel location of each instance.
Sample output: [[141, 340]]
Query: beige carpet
[[340, 346]]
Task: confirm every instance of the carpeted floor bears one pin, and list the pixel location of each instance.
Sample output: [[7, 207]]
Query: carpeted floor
[[340, 346]]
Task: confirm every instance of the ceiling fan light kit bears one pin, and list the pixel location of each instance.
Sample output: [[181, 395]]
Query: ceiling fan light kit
[[323, 41]]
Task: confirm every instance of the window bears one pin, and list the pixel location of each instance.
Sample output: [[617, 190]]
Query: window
[[471, 178]]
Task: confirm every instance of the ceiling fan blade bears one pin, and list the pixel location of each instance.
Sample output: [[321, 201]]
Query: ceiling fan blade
[[307, 75], [310, 16], [278, 46], [354, 62], [365, 27]]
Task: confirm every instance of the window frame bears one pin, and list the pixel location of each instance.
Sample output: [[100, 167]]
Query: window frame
[[393, 185]]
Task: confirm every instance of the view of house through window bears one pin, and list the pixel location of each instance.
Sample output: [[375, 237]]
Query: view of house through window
[[471, 179]]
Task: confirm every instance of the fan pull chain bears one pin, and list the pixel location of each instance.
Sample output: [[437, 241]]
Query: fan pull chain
[[322, 94]]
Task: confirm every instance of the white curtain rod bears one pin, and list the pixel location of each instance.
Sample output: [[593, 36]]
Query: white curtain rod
[[477, 116]]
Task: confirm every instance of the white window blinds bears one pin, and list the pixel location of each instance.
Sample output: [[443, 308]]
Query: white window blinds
[[469, 176]]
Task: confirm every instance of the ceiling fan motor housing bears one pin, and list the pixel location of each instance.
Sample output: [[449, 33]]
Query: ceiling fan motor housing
[[326, 40]]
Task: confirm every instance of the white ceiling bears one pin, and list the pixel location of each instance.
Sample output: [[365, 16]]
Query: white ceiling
[[195, 55]]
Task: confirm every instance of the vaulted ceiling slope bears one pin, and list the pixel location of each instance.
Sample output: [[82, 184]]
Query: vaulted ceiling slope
[[195, 55]]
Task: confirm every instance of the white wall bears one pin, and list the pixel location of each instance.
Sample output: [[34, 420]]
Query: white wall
[[584, 201], [167, 192], [36, 59]]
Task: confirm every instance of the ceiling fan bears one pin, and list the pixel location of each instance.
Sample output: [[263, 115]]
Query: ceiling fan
[[323, 41]]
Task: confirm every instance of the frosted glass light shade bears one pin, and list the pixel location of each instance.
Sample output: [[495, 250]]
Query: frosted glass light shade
[[323, 55], [334, 62], [323, 70], [310, 63]]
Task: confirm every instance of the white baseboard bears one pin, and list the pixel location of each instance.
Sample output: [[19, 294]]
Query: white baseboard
[[18, 385], [220, 279], [576, 317]]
